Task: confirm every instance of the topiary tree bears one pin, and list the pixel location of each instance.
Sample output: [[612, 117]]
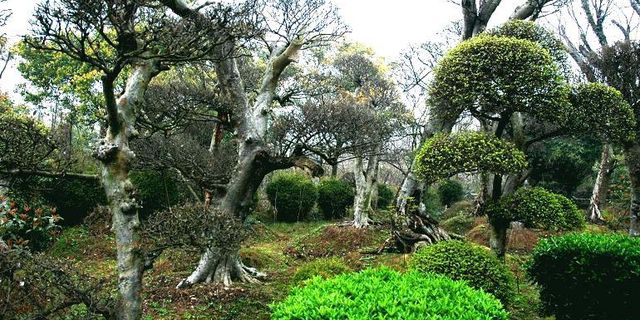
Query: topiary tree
[[450, 191], [334, 197], [385, 196], [604, 270], [463, 261], [293, 195], [387, 294]]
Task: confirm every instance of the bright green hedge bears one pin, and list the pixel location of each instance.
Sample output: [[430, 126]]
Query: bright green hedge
[[464, 261], [334, 197], [387, 294], [292, 194], [538, 208], [588, 276]]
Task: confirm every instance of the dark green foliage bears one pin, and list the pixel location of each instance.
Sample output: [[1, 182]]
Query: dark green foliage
[[446, 155], [75, 198], [527, 30], [600, 109], [156, 190], [458, 260], [431, 201], [385, 196], [450, 191], [588, 276], [387, 294], [323, 267], [334, 197], [22, 225], [292, 194], [537, 208], [460, 224], [491, 75]]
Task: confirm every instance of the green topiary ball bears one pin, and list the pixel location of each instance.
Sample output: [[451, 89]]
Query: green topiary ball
[[463, 261], [334, 197], [538, 208], [450, 192], [385, 196], [292, 194], [323, 267], [588, 276], [387, 294]]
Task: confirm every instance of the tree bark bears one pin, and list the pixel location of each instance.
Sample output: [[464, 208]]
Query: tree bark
[[632, 155], [116, 156], [601, 185], [365, 181]]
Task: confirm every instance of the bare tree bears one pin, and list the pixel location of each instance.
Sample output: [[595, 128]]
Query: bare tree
[[5, 54]]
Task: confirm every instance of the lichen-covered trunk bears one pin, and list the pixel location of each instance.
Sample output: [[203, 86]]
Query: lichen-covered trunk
[[365, 181], [601, 185], [632, 155], [498, 239], [116, 156]]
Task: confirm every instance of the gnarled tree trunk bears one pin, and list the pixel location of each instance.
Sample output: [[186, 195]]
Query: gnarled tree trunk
[[365, 182], [116, 157], [632, 155], [601, 185]]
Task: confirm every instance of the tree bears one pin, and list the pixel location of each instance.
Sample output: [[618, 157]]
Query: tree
[[133, 40], [295, 25]]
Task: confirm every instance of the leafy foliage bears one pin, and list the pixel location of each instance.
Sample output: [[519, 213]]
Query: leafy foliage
[[385, 196], [450, 191], [22, 225], [463, 261], [537, 208], [334, 197], [24, 142], [446, 155], [598, 108], [323, 267], [293, 195], [386, 294], [156, 190], [588, 276], [492, 75]]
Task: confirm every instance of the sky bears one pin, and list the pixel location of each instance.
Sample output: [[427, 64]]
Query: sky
[[386, 26]]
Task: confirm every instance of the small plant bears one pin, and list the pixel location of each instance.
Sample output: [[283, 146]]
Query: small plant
[[387, 294], [463, 261], [450, 192], [588, 276], [385, 196], [24, 226], [293, 195], [334, 197], [323, 267]]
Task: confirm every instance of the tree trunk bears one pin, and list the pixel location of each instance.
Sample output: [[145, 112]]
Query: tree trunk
[[632, 155], [601, 184], [334, 170], [116, 157], [365, 181], [498, 239]]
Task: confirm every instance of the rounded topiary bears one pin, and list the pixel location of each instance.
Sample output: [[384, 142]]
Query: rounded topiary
[[450, 192], [387, 294], [588, 276], [156, 190], [464, 261], [334, 197], [385, 196], [293, 195], [537, 208], [323, 267], [75, 198]]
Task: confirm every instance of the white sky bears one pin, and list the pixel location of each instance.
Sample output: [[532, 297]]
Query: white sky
[[388, 26]]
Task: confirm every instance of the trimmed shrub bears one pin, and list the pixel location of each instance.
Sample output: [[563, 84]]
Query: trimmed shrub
[[450, 192], [157, 190], [387, 294], [385, 196], [461, 208], [588, 276], [323, 267], [464, 261], [460, 224], [293, 195], [334, 197], [25, 226], [538, 208], [75, 198], [431, 201]]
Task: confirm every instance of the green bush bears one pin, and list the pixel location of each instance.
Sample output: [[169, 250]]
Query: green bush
[[385, 196], [323, 267], [334, 197], [387, 294], [460, 224], [156, 190], [588, 276], [538, 208], [293, 195], [431, 201], [24, 226], [75, 198], [463, 261], [450, 192]]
